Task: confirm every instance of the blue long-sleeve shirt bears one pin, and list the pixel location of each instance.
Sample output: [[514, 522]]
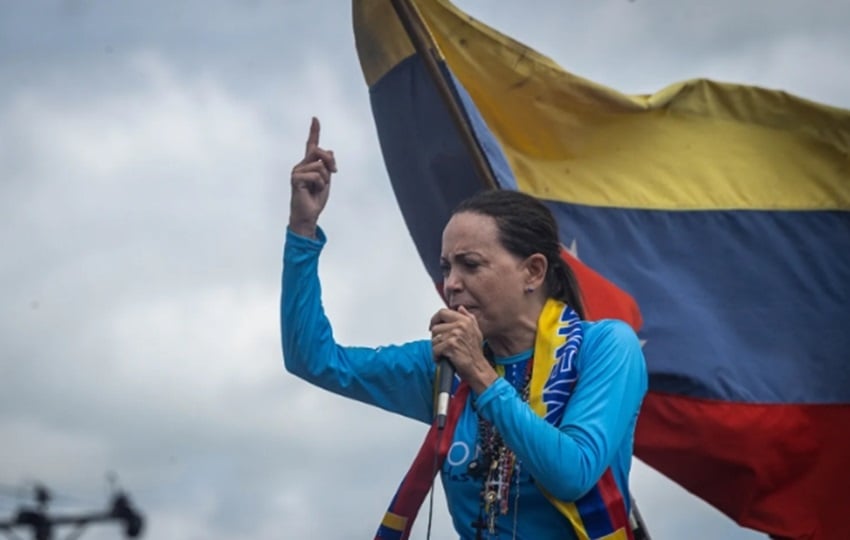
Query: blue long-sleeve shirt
[[596, 431]]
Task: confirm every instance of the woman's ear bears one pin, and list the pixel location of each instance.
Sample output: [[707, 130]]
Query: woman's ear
[[536, 267]]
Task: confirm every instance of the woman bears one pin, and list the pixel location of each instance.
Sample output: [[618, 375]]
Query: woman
[[543, 420]]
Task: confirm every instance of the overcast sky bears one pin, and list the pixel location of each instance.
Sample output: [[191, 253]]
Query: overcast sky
[[145, 148]]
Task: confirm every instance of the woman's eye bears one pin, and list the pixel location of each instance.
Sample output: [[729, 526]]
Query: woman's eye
[[444, 268]]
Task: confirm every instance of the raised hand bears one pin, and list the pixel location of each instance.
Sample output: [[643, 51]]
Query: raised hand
[[311, 182]]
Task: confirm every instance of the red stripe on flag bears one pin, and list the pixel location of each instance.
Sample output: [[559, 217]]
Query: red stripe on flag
[[778, 468]]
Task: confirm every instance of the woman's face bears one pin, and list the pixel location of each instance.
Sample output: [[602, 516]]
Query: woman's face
[[480, 274]]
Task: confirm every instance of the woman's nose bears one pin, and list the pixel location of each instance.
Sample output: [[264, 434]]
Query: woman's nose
[[451, 283]]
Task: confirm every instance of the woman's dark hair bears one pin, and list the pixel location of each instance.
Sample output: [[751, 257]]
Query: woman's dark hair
[[526, 226]]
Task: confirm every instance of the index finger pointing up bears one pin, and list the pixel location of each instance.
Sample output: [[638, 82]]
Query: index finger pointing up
[[313, 137]]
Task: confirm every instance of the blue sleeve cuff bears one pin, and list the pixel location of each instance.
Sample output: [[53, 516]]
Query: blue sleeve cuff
[[499, 388], [303, 242]]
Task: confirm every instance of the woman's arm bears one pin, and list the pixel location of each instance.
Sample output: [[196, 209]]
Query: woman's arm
[[599, 418], [395, 378]]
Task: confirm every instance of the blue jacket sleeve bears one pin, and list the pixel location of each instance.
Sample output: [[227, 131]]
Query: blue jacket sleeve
[[398, 378], [598, 425]]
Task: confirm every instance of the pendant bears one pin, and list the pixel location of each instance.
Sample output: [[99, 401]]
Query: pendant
[[491, 520], [474, 469]]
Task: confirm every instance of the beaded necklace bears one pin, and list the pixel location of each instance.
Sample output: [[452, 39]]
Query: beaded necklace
[[497, 465]]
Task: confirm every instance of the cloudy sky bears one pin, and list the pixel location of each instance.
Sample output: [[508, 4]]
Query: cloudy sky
[[145, 148]]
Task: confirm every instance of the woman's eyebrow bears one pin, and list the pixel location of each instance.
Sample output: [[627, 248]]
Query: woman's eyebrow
[[469, 253]]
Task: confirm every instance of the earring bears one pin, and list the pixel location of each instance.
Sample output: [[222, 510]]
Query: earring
[[529, 289]]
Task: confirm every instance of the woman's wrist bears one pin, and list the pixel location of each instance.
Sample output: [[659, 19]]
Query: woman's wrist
[[306, 228], [483, 379]]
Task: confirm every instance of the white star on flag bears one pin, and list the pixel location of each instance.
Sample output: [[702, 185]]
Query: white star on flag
[[573, 249]]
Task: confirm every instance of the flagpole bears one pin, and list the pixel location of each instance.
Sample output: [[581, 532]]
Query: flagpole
[[426, 48], [637, 524]]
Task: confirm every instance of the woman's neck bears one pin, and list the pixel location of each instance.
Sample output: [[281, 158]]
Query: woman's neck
[[520, 337]]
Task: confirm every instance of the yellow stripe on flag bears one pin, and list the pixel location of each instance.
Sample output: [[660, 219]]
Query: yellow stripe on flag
[[693, 145]]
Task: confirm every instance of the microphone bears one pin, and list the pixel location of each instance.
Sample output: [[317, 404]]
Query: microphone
[[444, 389]]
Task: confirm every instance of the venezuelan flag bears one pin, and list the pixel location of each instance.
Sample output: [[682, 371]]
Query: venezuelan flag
[[723, 210]]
